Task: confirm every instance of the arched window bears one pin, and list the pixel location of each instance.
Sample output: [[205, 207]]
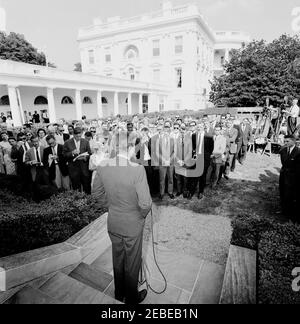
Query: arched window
[[104, 101], [66, 101], [41, 100], [4, 101], [131, 52], [87, 100]]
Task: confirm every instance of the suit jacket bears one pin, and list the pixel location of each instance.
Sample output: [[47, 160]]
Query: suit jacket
[[232, 135], [83, 165], [123, 188], [245, 137], [140, 152], [160, 153], [61, 162], [30, 156], [19, 156]]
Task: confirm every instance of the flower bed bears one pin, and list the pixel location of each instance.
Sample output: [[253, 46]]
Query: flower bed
[[25, 225], [278, 248]]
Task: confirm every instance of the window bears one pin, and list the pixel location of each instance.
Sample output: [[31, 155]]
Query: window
[[131, 74], [91, 57], [178, 44], [177, 105], [66, 101], [145, 104], [87, 100], [161, 104], [109, 75], [178, 77], [107, 55], [156, 75], [4, 101], [104, 101], [156, 48], [41, 100]]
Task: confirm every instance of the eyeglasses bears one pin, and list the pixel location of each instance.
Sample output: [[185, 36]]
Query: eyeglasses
[[176, 127]]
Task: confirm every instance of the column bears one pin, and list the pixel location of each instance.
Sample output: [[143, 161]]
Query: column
[[129, 103], [51, 105], [140, 103], [14, 106], [78, 101], [99, 104], [116, 104], [152, 103], [20, 105], [226, 55]]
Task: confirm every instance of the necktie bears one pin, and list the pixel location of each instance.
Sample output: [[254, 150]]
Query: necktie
[[37, 155], [25, 147]]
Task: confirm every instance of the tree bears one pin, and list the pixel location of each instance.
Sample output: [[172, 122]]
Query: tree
[[16, 48], [258, 71], [78, 67]]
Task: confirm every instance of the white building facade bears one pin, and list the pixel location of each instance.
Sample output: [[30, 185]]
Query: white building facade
[[159, 61], [174, 46]]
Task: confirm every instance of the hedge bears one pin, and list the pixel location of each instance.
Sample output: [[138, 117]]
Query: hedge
[[278, 246], [27, 225]]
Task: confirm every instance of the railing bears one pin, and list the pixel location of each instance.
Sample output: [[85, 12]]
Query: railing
[[175, 11]]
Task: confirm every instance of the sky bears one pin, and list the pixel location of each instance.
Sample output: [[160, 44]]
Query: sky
[[53, 25]]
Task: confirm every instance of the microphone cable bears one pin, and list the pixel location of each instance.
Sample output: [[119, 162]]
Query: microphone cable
[[156, 263]]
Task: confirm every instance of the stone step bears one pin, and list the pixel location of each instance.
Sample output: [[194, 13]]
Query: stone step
[[91, 277], [239, 286], [71, 291], [208, 286], [29, 295]]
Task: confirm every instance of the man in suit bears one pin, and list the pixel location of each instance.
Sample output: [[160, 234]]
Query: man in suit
[[55, 164], [244, 137], [77, 152], [162, 148], [289, 178], [34, 159], [61, 137], [122, 185], [231, 135]]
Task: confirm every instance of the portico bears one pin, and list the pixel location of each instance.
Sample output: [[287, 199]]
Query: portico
[[27, 88]]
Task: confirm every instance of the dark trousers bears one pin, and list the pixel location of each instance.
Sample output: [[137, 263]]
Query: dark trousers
[[213, 173], [202, 179], [241, 152], [80, 177], [165, 171], [181, 183], [127, 262], [229, 164], [288, 195], [149, 173]]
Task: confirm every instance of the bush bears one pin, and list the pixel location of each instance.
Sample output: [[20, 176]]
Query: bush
[[27, 225], [278, 246]]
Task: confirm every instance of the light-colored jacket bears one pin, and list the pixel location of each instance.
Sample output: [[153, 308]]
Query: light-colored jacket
[[122, 186]]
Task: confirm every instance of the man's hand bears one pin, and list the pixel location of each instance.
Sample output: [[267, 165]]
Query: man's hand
[[75, 152]]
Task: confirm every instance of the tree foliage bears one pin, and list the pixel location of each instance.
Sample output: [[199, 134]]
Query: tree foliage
[[260, 70], [16, 48]]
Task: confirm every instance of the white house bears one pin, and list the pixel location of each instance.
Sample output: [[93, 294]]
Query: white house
[[157, 61]]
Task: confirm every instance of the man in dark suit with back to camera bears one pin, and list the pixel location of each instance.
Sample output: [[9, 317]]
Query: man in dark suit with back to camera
[[77, 153], [122, 186], [289, 178]]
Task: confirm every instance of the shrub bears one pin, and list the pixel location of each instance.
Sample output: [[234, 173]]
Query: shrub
[[27, 225], [278, 246]]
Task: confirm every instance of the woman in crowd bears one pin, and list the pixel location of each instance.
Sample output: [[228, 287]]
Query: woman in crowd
[[5, 147]]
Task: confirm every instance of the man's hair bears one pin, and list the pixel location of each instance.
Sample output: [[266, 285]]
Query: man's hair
[[34, 137], [49, 137], [77, 130], [11, 138], [88, 134], [71, 126]]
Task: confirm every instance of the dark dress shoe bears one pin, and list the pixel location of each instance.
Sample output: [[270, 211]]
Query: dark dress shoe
[[189, 196], [200, 196], [172, 196], [178, 194], [160, 197], [142, 295], [185, 195]]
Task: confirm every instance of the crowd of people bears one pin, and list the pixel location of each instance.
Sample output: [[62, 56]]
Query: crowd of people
[[181, 156]]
